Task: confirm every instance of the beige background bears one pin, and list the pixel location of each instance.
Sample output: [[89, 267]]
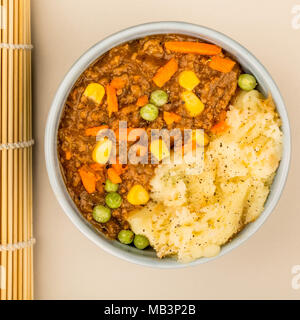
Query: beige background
[[69, 266]]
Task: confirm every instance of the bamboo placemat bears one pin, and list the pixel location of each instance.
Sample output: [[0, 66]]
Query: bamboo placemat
[[16, 237]]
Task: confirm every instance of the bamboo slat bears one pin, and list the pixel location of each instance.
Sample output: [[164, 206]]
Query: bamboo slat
[[16, 236]]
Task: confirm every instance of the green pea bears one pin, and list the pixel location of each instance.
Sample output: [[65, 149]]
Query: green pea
[[110, 187], [140, 241], [149, 112], [113, 200], [101, 214], [125, 236], [159, 97], [247, 82]]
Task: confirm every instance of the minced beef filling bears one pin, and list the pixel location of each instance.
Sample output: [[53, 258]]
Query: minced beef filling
[[136, 62]]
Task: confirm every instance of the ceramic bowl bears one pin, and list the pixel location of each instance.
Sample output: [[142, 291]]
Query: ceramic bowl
[[249, 64]]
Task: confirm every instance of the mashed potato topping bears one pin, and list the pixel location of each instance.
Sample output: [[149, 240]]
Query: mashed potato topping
[[192, 216]]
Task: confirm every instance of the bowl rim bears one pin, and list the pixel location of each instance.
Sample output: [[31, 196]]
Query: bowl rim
[[242, 55]]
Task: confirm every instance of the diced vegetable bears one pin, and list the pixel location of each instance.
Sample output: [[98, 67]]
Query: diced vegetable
[[193, 47], [119, 168], [141, 101], [220, 127], [113, 200], [110, 187], [159, 149], [68, 155], [94, 130], [200, 137], [138, 195], [112, 100], [171, 117], [113, 176], [159, 98], [188, 80], [101, 214], [126, 236], [221, 64], [88, 179], [95, 92], [102, 151], [140, 241], [118, 83], [165, 73], [149, 112], [247, 82], [192, 103]]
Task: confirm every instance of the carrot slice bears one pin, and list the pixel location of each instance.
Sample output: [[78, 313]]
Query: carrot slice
[[165, 73], [220, 127], [88, 179], [171, 117], [193, 47], [112, 100], [68, 155], [97, 170], [118, 83], [119, 168], [113, 176], [141, 101], [94, 130], [221, 64]]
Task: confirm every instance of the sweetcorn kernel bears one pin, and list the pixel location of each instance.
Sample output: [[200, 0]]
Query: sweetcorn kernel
[[138, 195], [102, 151], [192, 103], [95, 91], [200, 137], [159, 149], [188, 80]]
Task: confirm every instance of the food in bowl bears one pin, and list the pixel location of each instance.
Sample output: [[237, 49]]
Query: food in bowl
[[169, 82]]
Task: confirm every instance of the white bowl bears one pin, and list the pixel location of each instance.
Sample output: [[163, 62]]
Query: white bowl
[[248, 62]]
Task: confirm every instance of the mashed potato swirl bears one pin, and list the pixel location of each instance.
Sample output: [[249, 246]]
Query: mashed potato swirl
[[192, 216]]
